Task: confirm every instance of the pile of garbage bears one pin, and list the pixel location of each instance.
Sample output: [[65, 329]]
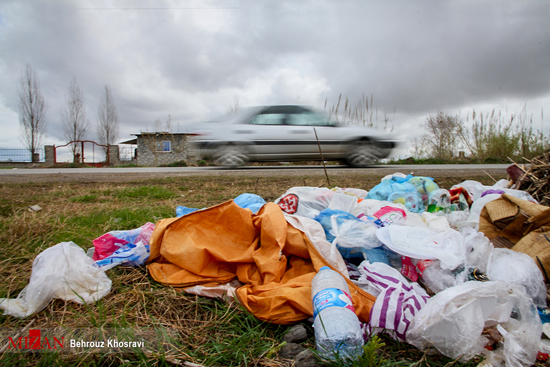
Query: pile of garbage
[[461, 272]]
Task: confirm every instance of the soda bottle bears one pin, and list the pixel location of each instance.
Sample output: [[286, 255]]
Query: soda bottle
[[337, 328]]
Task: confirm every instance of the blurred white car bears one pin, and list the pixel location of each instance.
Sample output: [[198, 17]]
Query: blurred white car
[[288, 133]]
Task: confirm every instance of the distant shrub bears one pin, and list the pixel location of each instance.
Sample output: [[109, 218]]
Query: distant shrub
[[181, 163], [489, 138]]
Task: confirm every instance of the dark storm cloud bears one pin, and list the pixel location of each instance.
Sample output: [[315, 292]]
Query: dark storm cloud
[[190, 59]]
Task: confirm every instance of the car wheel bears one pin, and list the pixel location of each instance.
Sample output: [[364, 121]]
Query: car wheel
[[231, 156], [362, 154]]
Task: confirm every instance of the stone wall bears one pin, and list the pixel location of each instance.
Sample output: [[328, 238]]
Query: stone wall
[[114, 155], [49, 155]]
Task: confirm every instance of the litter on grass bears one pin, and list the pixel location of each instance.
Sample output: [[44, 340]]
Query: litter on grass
[[459, 271]]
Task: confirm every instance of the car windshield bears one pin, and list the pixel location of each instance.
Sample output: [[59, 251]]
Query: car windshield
[[290, 115], [309, 118]]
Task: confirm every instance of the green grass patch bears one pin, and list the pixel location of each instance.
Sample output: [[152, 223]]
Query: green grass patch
[[84, 199], [151, 192], [84, 227], [176, 164]]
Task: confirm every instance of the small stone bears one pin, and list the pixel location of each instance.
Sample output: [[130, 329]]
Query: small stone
[[35, 208], [296, 334], [306, 359], [290, 350]]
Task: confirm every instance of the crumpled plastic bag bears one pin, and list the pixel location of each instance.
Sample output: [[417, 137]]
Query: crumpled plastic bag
[[131, 247], [350, 235], [250, 201], [515, 267], [423, 243], [183, 210], [425, 186], [476, 190], [454, 321], [325, 218], [62, 271], [399, 191], [397, 300], [367, 208], [478, 248], [107, 244], [439, 200], [305, 201], [359, 193]]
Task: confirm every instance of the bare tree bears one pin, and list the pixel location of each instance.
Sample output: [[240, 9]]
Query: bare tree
[[235, 106], [107, 127], [32, 112], [442, 137], [75, 123]]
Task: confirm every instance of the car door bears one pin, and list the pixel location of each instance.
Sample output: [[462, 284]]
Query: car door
[[309, 131], [267, 134]]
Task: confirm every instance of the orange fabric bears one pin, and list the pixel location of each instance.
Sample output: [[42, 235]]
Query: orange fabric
[[275, 261]]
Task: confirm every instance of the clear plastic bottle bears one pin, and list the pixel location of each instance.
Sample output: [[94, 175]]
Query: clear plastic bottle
[[337, 328]]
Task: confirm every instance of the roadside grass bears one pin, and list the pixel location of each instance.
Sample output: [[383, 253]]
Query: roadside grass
[[458, 161], [186, 328]]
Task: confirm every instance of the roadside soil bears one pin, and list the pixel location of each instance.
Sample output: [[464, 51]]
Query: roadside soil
[[313, 176]]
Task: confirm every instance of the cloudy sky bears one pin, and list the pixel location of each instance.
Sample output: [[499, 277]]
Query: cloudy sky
[[191, 60]]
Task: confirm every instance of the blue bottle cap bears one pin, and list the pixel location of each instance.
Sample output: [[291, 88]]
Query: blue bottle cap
[[324, 268]]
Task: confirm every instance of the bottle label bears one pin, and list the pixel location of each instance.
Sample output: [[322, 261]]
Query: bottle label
[[331, 297]]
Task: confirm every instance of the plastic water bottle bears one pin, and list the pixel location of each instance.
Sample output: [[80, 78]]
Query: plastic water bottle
[[337, 328]]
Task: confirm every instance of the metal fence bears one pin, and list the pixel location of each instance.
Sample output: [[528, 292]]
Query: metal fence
[[17, 155], [127, 153]]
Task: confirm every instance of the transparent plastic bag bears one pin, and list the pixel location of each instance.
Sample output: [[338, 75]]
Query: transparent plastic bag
[[411, 199], [439, 200], [478, 248], [350, 235], [424, 186], [62, 271], [454, 320], [515, 267], [384, 189]]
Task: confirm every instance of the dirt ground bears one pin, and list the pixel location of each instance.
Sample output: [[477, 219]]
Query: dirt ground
[[457, 174]]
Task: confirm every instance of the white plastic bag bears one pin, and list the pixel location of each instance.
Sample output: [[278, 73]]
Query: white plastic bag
[[62, 271], [371, 206], [436, 222], [423, 243], [359, 193], [305, 201], [453, 322], [478, 248]]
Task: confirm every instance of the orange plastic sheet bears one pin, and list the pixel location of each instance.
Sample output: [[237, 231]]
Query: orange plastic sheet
[[275, 261]]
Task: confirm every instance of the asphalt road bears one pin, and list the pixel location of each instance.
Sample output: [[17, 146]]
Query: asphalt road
[[15, 175], [118, 170]]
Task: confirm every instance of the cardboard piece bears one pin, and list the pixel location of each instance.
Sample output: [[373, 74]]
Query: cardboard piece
[[520, 225]]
